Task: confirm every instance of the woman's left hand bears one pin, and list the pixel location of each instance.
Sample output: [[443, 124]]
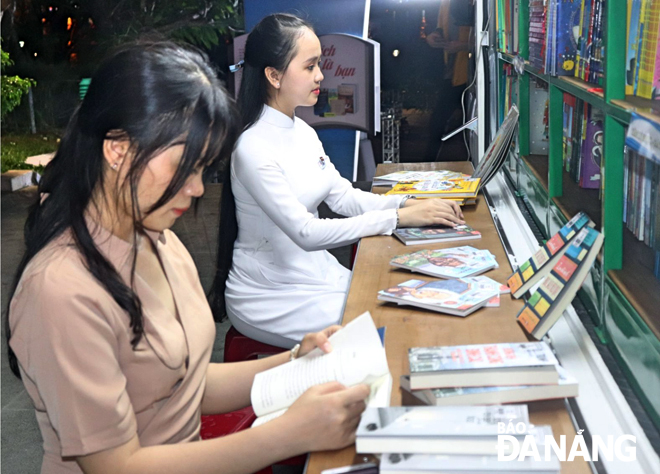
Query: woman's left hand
[[318, 339]]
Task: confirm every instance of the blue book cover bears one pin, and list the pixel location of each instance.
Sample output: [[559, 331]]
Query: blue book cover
[[567, 33]]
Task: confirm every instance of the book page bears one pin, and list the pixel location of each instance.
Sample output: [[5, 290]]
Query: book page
[[357, 357]]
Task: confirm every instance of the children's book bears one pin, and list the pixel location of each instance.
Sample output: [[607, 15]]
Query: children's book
[[592, 150], [482, 365], [434, 234], [403, 176], [559, 288], [455, 262], [458, 297], [437, 430], [533, 270], [566, 387], [357, 357], [459, 188]]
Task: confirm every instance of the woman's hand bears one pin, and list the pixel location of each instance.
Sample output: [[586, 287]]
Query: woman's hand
[[425, 212], [326, 416], [318, 339]]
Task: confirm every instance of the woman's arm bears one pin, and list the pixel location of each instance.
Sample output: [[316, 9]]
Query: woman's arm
[[325, 417]]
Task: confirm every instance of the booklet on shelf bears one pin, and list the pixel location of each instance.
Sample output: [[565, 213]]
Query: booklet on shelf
[[558, 289], [538, 266], [567, 387], [357, 356], [455, 262], [482, 365], [435, 430], [435, 234]]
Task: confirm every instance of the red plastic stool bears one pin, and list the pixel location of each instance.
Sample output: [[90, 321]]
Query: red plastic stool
[[239, 347]]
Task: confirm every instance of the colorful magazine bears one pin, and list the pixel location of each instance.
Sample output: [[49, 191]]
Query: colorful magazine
[[467, 188], [459, 297], [404, 176], [431, 235], [457, 262], [538, 265], [558, 289]]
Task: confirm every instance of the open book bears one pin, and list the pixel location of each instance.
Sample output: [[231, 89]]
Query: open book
[[357, 357]]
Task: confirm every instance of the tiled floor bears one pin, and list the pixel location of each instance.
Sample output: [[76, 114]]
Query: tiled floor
[[21, 440]]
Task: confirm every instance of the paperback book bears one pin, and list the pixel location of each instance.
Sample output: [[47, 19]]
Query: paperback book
[[442, 188], [559, 288], [435, 430], [533, 270], [482, 365], [405, 176], [497, 151], [566, 387], [435, 234], [458, 297], [357, 357], [455, 262]]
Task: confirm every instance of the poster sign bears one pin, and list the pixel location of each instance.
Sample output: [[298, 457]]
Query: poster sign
[[350, 90]]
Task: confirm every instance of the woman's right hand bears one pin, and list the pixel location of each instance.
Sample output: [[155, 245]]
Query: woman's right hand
[[326, 416], [426, 212]]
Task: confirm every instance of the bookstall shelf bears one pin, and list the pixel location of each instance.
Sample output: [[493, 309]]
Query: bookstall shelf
[[627, 296]]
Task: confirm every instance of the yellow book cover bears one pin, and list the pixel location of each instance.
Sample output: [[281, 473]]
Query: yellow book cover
[[439, 188], [648, 49]]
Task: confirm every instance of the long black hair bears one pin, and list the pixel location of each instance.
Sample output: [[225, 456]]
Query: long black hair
[[272, 43], [151, 95]]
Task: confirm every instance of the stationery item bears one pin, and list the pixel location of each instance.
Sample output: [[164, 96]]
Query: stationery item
[[455, 262], [435, 234], [482, 365], [458, 297], [357, 357], [435, 430], [566, 387], [539, 265], [558, 289]]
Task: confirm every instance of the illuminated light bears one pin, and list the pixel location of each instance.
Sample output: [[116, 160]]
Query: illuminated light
[[69, 22], [21, 43], [50, 9], [395, 53], [68, 43], [43, 20], [35, 55]]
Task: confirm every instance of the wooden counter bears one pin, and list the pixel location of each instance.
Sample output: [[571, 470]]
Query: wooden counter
[[411, 327]]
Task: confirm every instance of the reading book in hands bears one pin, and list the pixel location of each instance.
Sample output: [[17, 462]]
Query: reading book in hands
[[457, 262], [482, 365], [537, 267], [357, 357]]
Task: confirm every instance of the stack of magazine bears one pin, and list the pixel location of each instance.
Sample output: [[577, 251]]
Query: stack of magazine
[[435, 234], [455, 262], [406, 176], [458, 297], [484, 374], [448, 439], [463, 188]]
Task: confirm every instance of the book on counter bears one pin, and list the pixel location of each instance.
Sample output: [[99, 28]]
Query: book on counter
[[435, 234], [539, 265], [436, 430], [567, 387], [558, 289], [400, 176], [498, 150], [458, 297], [455, 262], [482, 365], [357, 356], [395, 463], [441, 188]]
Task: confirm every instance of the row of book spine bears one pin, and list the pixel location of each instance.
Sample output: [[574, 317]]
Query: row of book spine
[[643, 48], [582, 141], [507, 25], [641, 204]]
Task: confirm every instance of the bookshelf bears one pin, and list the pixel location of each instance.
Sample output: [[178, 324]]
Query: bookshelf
[[623, 294]]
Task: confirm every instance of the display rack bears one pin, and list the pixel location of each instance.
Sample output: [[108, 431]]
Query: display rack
[[622, 292]]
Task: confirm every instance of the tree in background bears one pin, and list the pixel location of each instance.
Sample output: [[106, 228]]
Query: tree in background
[[13, 87]]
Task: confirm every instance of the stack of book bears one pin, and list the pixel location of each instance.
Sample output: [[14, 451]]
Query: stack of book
[[537, 33], [643, 49], [435, 234], [582, 141], [461, 188], [507, 25], [406, 176], [458, 297], [455, 262]]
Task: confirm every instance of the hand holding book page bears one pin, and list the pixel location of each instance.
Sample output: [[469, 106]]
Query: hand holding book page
[[357, 357]]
